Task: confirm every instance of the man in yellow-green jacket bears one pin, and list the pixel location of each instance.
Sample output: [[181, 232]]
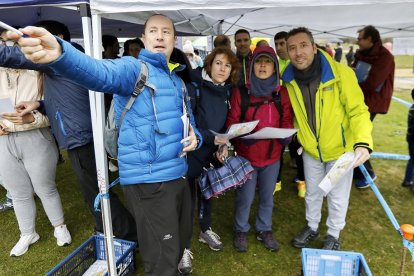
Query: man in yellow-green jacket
[[332, 119]]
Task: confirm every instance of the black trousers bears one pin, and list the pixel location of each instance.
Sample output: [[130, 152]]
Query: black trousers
[[162, 214], [357, 172], [293, 152], [204, 209], [83, 163]]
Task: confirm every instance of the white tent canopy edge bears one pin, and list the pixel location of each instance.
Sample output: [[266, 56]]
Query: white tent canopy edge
[[330, 18]]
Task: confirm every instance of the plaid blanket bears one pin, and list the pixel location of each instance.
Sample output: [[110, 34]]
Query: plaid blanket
[[235, 171]]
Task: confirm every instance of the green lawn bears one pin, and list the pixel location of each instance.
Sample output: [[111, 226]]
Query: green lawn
[[368, 229], [404, 61]]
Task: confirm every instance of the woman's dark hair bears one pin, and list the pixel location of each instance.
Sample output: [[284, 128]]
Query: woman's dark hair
[[234, 62]]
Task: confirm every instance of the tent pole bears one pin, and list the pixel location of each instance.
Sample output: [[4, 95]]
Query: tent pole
[[97, 116]]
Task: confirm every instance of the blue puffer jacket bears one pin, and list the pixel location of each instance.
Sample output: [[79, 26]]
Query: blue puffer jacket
[[66, 103], [149, 145]]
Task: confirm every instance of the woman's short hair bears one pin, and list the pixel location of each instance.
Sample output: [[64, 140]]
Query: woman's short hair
[[234, 62]]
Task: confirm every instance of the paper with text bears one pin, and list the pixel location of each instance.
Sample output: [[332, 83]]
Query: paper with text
[[342, 166], [237, 130], [271, 133]]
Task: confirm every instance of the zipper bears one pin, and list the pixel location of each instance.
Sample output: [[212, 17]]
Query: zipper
[[58, 117], [316, 137], [343, 136]]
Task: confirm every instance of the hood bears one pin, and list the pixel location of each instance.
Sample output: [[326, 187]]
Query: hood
[[259, 51]]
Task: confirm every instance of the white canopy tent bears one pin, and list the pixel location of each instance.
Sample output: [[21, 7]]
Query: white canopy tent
[[329, 18]]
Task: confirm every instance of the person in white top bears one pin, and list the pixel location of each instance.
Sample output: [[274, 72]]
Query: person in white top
[[28, 159]]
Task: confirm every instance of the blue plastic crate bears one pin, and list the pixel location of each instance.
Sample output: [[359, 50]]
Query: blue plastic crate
[[94, 249], [318, 262]]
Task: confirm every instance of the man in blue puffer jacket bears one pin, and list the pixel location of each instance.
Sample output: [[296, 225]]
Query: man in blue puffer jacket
[[66, 104], [151, 136]]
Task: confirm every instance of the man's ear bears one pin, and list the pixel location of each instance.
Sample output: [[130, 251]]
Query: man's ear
[[60, 36]]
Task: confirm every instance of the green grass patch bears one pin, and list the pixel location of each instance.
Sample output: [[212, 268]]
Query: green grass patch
[[368, 229], [404, 61]]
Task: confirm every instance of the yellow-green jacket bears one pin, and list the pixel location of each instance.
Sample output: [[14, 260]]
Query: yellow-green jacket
[[342, 118]]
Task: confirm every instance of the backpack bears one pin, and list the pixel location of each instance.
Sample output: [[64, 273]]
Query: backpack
[[111, 131], [198, 97], [245, 104]]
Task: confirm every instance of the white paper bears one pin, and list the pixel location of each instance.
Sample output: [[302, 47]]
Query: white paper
[[271, 133], [237, 130], [6, 106], [99, 267], [186, 121], [186, 125], [342, 166]]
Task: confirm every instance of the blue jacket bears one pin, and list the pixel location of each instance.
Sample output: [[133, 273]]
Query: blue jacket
[[149, 144], [210, 112], [66, 103]]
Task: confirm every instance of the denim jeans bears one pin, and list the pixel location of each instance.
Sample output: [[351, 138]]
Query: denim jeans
[[266, 178]]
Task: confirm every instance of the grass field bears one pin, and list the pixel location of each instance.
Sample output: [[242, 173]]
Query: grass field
[[368, 229], [404, 61]]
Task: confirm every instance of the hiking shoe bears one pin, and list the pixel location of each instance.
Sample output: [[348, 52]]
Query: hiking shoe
[[301, 189], [331, 243], [185, 266], [363, 183], [211, 239], [407, 184], [23, 244], [240, 241], [278, 187], [62, 235], [6, 204], [304, 237], [269, 242]]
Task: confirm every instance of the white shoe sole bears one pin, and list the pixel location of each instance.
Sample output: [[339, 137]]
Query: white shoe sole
[[212, 248], [63, 243], [35, 239]]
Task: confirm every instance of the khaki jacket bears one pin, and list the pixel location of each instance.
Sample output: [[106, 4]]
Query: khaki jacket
[[21, 85]]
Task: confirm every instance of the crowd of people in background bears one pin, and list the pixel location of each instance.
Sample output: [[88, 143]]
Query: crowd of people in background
[[297, 84]]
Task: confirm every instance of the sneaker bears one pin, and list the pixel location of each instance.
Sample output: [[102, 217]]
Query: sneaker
[[407, 184], [211, 239], [6, 204], [278, 187], [301, 189], [62, 235], [269, 242], [331, 243], [240, 241], [185, 266], [304, 237], [23, 244], [363, 183]]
